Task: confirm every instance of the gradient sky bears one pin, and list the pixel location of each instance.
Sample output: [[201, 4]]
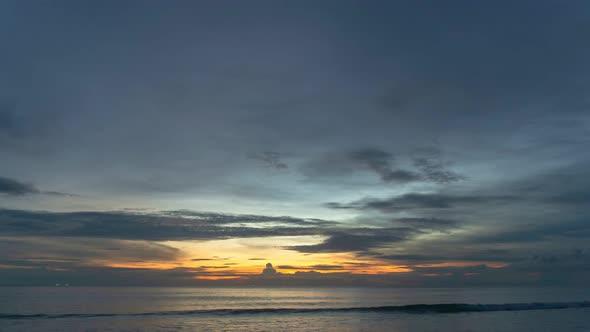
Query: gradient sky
[[405, 143]]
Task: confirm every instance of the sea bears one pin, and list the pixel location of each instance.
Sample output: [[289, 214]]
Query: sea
[[293, 309]]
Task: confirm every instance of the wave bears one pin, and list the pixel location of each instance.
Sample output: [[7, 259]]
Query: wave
[[447, 308]]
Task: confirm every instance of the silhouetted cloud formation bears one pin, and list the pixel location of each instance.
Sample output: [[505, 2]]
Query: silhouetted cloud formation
[[168, 225], [434, 170], [427, 168], [380, 162], [269, 270], [358, 239], [319, 267], [412, 201], [15, 187]]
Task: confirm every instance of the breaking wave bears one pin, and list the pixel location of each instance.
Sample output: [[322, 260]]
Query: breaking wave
[[411, 309]]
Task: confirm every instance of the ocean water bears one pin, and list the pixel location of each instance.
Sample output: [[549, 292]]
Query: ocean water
[[297, 309]]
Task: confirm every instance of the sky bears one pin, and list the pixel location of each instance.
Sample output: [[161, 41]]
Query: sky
[[347, 143]]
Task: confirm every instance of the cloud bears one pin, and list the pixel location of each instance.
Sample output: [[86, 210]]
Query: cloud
[[67, 253], [167, 225], [539, 269], [319, 267], [269, 270], [577, 256], [15, 187], [434, 170], [427, 168], [504, 223], [238, 219], [427, 223], [501, 102], [98, 276], [380, 162], [450, 253], [59, 194], [270, 159], [568, 228], [288, 267], [358, 239], [192, 225], [568, 186], [412, 201]]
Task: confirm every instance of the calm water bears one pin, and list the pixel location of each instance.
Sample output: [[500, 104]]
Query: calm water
[[254, 309]]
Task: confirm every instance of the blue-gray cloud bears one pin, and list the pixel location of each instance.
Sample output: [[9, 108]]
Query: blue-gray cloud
[[413, 201], [167, 225], [360, 239], [426, 168], [270, 159], [15, 187], [96, 101]]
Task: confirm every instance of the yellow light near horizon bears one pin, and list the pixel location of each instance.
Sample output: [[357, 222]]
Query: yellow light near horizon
[[235, 256], [232, 259]]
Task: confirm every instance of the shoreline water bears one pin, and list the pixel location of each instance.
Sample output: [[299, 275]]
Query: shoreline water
[[117, 309]]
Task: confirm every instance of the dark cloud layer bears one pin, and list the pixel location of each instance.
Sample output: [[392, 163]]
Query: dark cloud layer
[[15, 187], [435, 132], [380, 162], [171, 225], [319, 267], [434, 170], [360, 239], [72, 253], [420, 201], [426, 168]]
